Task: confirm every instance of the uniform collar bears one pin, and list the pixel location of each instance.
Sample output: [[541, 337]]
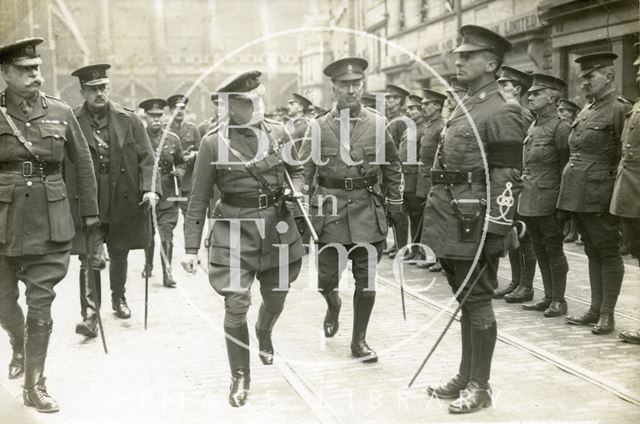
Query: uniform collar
[[606, 97]]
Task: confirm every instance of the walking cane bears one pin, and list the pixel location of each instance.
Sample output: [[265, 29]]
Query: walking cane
[[92, 282], [453, 317], [395, 240], [176, 190]]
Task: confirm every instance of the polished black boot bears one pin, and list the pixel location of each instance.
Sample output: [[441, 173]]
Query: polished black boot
[[117, 280], [148, 260], [36, 342], [14, 326], [587, 318], [331, 318], [540, 306], [167, 277], [556, 309], [499, 294], [237, 340], [605, 325], [362, 307], [473, 398], [89, 303], [519, 295], [264, 327]]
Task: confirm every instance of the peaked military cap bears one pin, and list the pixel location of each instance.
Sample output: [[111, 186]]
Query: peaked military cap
[[348, 68], [433, 96], [413, 100], [397, 90], [476, 38], [512, 74], [302, 100], [21, 53], [92, 75], [541, 81], [590, 62], [153, 106], [177, 100], [241, 82], [568, 104]]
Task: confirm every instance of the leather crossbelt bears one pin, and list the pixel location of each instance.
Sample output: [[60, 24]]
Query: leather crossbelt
[[348, 183], [31, 168], [255, 201], [457, 177]]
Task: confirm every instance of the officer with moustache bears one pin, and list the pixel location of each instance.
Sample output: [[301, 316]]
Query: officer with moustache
[[36, 229], [455, 210], [340, 155]]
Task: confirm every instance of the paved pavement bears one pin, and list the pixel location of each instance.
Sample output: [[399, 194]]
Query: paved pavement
[[177, 371]]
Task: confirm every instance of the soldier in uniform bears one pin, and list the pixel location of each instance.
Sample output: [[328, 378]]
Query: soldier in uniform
[[298, 123], [254, 193], [189, 139], [413, 204], [545, 154], [567, 109], [345, 173], [120, 151], [514, 85], [36, 228], [210, 123], [626, 190], [587, 187], [432, 104], [455, 209], [171, 165]]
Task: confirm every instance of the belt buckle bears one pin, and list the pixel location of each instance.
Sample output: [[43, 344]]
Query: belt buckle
[[27, 165], [348, 184], [263, 201]]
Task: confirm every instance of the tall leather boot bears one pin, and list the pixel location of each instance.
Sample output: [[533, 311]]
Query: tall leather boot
[[547, 280], [612, 274], [592, 315], [362, 307], [34, 391], [559, 269], [239, 363], [451, 389], [478, 392], [515, 278], [148, 259], [167, 278], [332, 317], [117, 280], [14, 326], [264, 327], [524, 271], [89, 303]]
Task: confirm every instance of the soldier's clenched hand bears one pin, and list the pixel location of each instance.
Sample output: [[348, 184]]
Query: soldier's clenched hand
[[150, 198], [190, 263]]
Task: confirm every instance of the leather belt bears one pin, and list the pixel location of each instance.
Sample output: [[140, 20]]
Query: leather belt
[[31, 169], [457, 177], [255, 201], [348, 183]]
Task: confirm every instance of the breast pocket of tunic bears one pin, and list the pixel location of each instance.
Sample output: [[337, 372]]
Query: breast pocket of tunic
[[52, 144], [60, 221], [540, 151], [6, 198], [595, 134]]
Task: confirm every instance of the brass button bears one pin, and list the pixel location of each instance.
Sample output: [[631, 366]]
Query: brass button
[[29, 183], [28, 124], [98, 131]]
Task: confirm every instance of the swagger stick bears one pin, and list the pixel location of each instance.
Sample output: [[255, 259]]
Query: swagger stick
[[92, 282], [395, 240]]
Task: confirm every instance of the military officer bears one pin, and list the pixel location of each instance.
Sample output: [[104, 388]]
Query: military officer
[[254, 192], [514, 84], [545, 154], [626, 190], [455, 209], [189, 139], [567, 109], [587, 187], [413, 204], [432, 104], [345, 172], [171, 165], [36, 228], [298, 123], [123, 164]]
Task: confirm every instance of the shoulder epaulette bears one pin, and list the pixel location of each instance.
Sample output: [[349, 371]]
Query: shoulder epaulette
[[374, 110], [169, 132], [52, 98], [625, 100], [272, 121], [128, 109], [321, 113]]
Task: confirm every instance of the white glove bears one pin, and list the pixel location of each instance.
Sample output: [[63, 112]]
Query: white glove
[[190, 263], [151, 198]]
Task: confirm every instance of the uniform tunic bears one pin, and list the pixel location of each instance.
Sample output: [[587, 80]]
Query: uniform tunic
[[428, 146], [190, 136]]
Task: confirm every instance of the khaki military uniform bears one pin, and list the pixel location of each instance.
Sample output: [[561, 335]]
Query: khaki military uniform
[[190, 136]]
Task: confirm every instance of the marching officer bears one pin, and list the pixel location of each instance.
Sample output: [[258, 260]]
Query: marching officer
[[587, 187], [514, 84], [298, 123], [36, 229], [171, 165], [123, 165], [190, 136], [413, 205], [432, 104], [456, 204], [626, 190], [345, 172], [252, 184], [545, 154]]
